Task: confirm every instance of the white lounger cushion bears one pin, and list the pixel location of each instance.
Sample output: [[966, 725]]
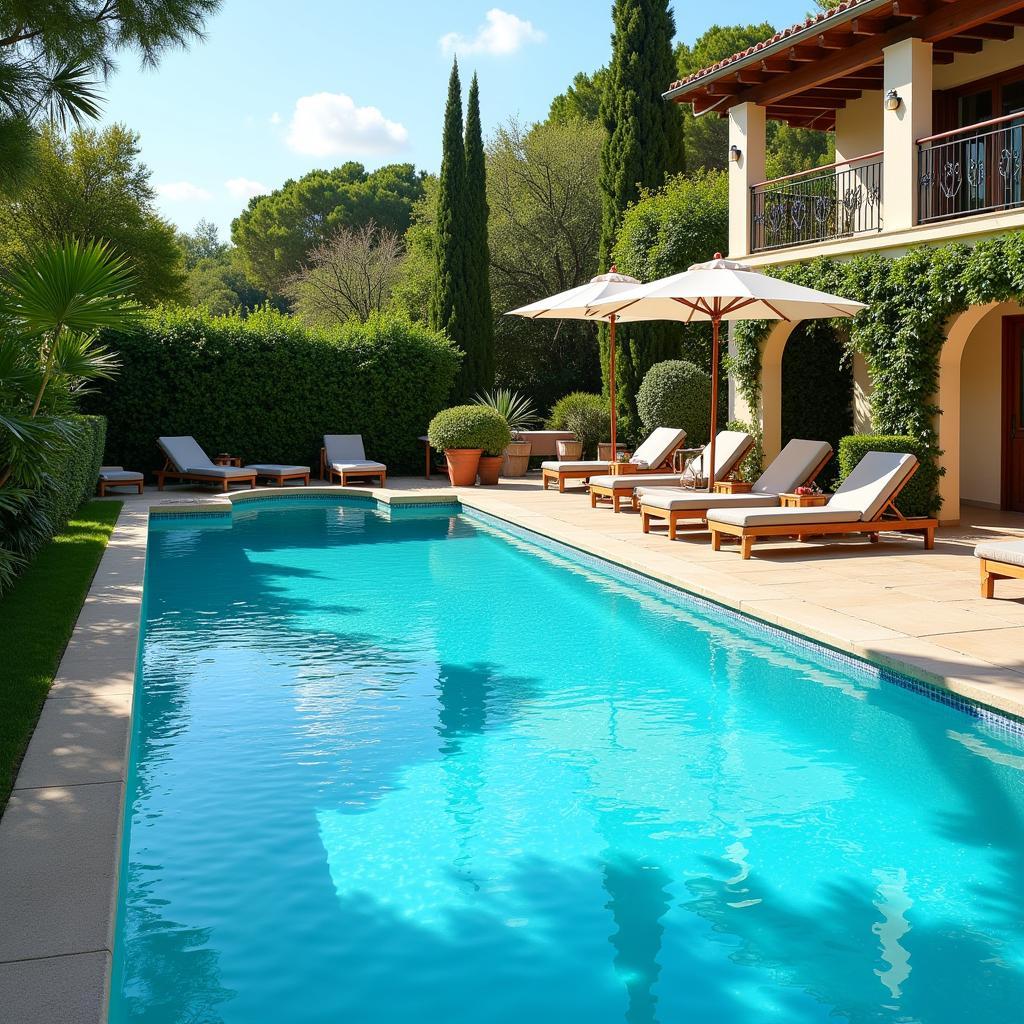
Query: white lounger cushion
[[659, 446], [792, 466], [219, 472], [355, 467], [569, 467], [782, 516], [678, 500], [1000, 551], [273, 468], [730, 446], [862, 496], [110, 474], [344, 447], [627, 482], [185, 454]]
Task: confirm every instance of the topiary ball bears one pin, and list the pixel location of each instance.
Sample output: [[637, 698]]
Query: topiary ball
[[469, 426], [676, 393]]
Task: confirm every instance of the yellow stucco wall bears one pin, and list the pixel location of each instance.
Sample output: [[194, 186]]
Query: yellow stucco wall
[[981, 411], [862, 388], [859, 126]]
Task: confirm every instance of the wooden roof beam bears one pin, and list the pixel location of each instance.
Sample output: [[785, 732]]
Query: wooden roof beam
[[959, 44], [995, 31]]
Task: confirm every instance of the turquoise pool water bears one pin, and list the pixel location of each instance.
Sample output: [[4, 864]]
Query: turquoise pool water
[[403, 768]]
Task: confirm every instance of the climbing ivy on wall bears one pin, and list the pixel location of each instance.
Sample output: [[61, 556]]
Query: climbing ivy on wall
[[901, 333]]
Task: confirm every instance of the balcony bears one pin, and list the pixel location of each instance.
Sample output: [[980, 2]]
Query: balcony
[[971, 170], [820, 205]]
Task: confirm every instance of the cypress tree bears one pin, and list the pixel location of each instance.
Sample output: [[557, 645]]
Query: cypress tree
[[643, 145], [448, 298], [478, 321]]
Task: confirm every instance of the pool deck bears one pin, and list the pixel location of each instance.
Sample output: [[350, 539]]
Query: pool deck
[[893, 603]]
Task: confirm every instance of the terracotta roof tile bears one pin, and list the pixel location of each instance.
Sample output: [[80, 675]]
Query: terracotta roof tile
[[778, 37]]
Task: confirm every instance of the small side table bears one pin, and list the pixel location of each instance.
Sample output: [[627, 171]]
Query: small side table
[[733, 487], [227, 460], [803, 500]]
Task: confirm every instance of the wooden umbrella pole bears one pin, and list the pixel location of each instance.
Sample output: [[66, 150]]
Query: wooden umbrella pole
[[714, 397], [611, 384]]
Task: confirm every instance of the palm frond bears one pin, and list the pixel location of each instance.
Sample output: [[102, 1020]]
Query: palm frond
[[72, 94], [72, 285], [516, 408]]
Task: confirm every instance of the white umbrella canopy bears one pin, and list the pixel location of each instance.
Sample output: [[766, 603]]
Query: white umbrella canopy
[[722, 290], [577, 304]]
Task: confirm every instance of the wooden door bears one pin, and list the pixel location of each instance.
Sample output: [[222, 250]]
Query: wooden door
[[1013, 413]]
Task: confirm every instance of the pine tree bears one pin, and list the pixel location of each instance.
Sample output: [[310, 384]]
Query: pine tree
[[447, 301], [643, 145], [477, 322]]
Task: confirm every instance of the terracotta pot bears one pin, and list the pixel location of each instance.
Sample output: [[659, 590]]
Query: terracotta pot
[[490, 469], [569, 451], [462, 465], [517, 459]]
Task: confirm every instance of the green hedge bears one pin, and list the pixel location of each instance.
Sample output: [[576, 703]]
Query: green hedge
[[921, 496], [267, 388], [71, 479]]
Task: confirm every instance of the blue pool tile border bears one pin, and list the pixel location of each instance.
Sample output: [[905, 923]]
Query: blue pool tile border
[[994, 720]]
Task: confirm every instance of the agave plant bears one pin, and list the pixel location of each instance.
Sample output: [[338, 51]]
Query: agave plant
[[517, 409], [54, 301]]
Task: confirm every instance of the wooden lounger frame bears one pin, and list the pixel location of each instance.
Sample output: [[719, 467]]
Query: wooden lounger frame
[[104, 484], [601, 492], [992, 570], [170, 473], [675, 516], [891, 519], [280, 476], [328, 472], [561, 475]]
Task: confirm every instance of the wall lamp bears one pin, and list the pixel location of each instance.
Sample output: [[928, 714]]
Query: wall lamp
[[734, 154], [893, 100]]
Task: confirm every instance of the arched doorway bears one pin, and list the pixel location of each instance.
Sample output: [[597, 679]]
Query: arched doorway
[[977, 405]]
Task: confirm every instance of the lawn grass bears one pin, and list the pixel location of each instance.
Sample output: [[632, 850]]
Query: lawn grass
[[36, 620]]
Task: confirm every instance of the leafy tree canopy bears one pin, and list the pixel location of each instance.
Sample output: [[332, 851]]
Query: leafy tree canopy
[[203, 243], [582, 100], [89, 185], [276, 232], [54, 54]]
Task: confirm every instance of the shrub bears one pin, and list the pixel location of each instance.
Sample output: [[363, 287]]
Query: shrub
[[70, 479], [921, 496], [676, 393], [587, 416], [267, 389], [470, 426]]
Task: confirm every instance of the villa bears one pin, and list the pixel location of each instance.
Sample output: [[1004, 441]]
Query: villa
[[926, 101]]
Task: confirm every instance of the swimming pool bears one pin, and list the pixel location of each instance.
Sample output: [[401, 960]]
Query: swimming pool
[[406, 766]]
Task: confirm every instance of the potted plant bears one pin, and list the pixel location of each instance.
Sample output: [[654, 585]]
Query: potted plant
[[464, 433], [519, 414], [587, 416]]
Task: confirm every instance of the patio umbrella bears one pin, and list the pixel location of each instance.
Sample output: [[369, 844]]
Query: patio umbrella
[[576, 304], [722, 290]]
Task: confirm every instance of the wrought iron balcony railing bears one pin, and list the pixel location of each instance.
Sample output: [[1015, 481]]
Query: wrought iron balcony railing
[[818, 205], [971, 170]]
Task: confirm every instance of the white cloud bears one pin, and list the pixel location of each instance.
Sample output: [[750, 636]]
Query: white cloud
[[330, 123], [182, 192], [245, 188], [275, 118], [502, 34]]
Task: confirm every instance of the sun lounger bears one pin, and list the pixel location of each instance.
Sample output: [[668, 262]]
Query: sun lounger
[[118, 476], [278, 474], [999, 561], [795, 466], [731, 448], [653, 455], [343, 457], [865, 503], [187, 462]]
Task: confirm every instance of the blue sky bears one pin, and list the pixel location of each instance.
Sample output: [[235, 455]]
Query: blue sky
[[279, 89]]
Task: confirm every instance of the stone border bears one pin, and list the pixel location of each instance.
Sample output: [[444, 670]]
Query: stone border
[[60, 836]]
